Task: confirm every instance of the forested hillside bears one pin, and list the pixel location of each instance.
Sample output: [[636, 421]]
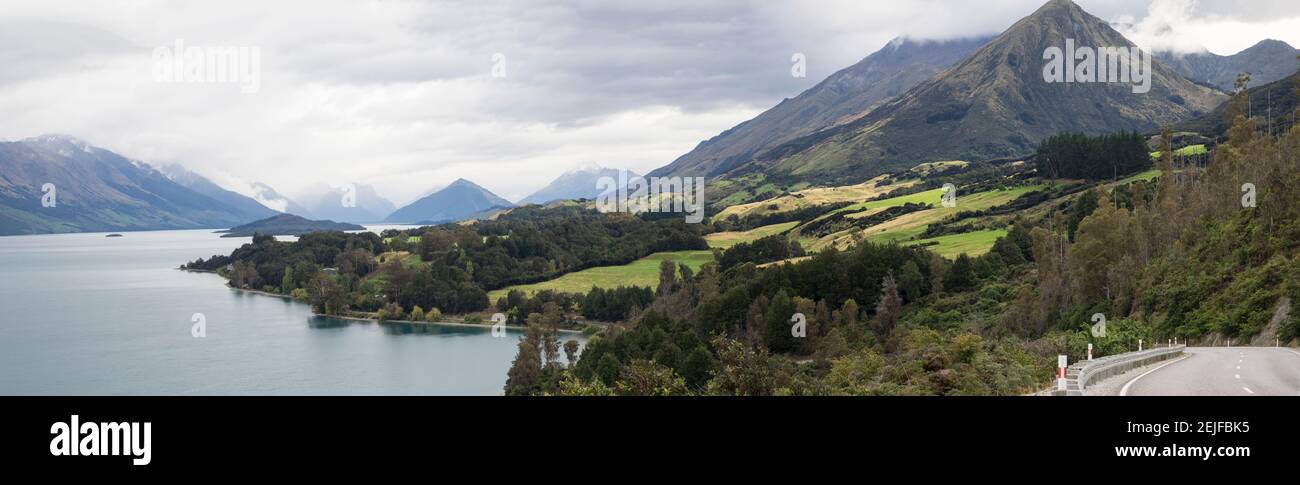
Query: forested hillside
[[1197, 254]]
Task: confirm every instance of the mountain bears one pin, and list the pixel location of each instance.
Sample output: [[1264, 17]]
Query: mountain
[[458, 201], [994, 104], [327, 203], [267, 196], [575, 184], [288, 225], [1280, 95], [95, 190], [1267, 61], [844, 96], [249, 208]]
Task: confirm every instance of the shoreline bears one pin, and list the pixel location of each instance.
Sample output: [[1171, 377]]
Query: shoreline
[[375, 320]]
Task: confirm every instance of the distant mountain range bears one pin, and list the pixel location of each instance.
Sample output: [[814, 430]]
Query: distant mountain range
[[573, 185], [250, 208], [843, 97], [1267, 61], [328, 203], [459, 201], [267, 196], [98, 190]]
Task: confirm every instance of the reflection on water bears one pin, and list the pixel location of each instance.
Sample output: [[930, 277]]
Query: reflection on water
[[85, 314]]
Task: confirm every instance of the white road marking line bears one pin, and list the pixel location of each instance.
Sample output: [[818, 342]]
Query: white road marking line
[[1124, 391], [1238, 376], [1247, 389]]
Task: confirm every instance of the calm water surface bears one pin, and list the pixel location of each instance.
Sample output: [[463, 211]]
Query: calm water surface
[[86, 314]]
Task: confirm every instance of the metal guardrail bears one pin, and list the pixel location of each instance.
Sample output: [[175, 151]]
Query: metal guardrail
[[1080, 375]]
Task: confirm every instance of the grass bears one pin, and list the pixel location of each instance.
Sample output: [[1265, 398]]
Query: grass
[[928, 197], [971, 243], [726, 240], [645, 271], [642, 272], [812, 197], [913, 225], [408, 259], [1141, 177], [409, 240], [1185, 151]]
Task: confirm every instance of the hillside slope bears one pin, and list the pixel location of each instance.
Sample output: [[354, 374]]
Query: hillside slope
[[96, 190], [842, 97], [1267, 61]]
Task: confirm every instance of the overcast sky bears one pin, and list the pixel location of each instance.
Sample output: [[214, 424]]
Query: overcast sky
[[401, 94]]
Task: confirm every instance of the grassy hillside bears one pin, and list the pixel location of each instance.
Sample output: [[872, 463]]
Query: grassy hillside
[[642, 272], [726, 240]]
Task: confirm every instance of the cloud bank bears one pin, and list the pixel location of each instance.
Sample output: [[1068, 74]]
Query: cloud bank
[[401, 94]]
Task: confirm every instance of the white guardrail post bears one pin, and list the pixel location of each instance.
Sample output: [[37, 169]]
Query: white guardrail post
[[1073, 380]]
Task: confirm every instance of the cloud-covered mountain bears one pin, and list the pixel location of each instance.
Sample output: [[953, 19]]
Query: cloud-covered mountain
[[574, 184], [96, 190], [994, 104], [267, 196], [251, 209], [327, 202], [1267, 61], [460, 200]]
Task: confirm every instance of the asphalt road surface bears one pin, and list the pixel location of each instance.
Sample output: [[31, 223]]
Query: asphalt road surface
[[1221, 371]]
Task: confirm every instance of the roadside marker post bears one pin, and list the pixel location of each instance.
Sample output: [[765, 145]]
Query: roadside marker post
[[1089, 351], [1139, 345], [1061, 363]]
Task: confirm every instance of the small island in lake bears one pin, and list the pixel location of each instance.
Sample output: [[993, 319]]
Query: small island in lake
[[114, 235], [288, 225]]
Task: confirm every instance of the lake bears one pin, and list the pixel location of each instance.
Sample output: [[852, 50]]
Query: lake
[[84, 314]]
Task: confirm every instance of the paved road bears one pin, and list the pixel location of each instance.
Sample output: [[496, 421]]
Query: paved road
[[1222, 371]]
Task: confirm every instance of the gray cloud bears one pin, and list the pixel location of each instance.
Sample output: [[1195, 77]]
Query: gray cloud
[[399, 94]]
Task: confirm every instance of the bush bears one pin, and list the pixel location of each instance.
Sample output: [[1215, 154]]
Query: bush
[[391, 311]]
